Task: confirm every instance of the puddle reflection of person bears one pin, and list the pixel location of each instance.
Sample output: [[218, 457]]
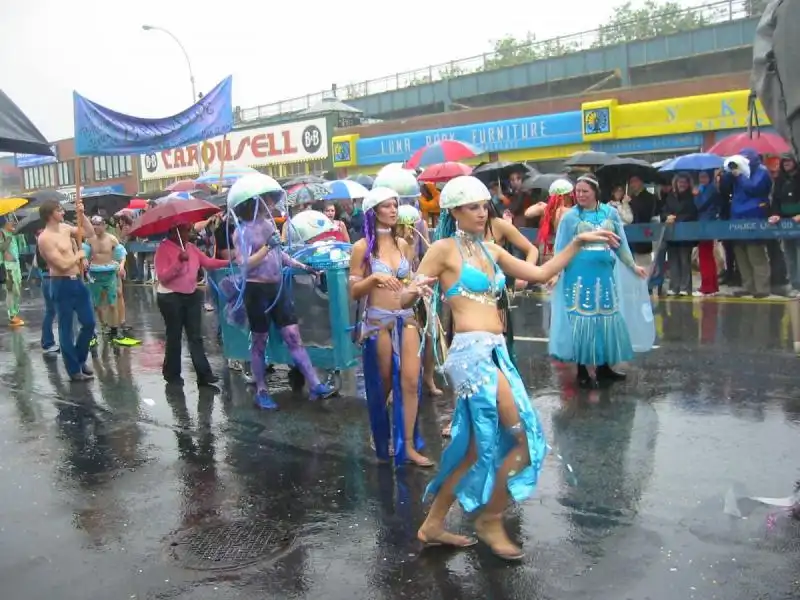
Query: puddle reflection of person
[[498, 444]]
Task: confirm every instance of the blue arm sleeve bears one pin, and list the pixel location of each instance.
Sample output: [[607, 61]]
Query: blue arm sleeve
[[758, 185], [119, 253]]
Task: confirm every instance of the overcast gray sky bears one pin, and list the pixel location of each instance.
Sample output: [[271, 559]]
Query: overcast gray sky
[[274, 50]]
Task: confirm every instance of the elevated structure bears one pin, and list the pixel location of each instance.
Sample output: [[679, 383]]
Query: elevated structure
[[720, 43]]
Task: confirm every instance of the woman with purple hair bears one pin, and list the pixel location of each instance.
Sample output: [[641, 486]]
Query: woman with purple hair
[[404, 182], [380, 272]]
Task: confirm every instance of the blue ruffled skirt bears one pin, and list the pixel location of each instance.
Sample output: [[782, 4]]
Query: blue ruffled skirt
[[471, 366], [599, 333]]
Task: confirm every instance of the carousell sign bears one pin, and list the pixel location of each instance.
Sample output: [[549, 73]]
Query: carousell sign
[[273, 144]]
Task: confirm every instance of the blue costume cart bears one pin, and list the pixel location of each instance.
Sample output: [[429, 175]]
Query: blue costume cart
[[324, 310]]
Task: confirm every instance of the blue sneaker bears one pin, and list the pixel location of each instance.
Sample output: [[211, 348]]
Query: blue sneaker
[[264, 401], [321, 391]]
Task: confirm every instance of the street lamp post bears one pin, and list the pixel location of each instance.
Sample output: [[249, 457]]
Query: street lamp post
[[191, 72], [185, 54]]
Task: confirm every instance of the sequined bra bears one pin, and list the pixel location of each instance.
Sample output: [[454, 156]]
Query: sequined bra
[[475, 284], [378, 266]]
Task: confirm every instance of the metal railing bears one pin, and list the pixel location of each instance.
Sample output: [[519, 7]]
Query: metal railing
[[669, 22]]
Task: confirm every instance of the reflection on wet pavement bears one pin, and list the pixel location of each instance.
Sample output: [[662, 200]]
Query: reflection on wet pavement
[[127, 489]]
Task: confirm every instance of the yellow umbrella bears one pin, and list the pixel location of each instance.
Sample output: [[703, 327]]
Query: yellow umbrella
[[9, 205]]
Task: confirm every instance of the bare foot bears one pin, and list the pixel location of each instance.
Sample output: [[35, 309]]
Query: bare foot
[[432, 537], [415, 458], [490, 531]]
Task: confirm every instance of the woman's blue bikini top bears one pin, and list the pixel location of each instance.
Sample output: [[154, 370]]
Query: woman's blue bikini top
[[378, 266], [475, 284]]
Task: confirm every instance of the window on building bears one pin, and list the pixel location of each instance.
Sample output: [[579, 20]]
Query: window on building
[[316, 166], [293, 169], [112, 167], [66, 172], [36, 178]]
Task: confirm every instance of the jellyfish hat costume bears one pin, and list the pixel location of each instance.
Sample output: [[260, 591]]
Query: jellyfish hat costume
[[404, 183], [266, 283], [473, 364], [398, 323]]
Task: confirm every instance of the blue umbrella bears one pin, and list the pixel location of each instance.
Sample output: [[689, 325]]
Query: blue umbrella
[[344, 189], [698, 161]]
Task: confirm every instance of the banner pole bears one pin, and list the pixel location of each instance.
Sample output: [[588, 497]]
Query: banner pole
[[79, 211], [222, 161]]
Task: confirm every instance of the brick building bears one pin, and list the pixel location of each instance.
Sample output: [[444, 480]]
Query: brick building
[[98, 174]]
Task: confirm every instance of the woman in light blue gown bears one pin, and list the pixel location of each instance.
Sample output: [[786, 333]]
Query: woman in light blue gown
[[600, 311], [498, 444]]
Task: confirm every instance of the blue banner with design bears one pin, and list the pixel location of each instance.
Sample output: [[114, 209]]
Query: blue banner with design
[[100, 131]]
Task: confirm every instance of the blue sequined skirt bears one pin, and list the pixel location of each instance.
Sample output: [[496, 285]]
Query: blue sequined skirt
[[472, 365], [599, 333]]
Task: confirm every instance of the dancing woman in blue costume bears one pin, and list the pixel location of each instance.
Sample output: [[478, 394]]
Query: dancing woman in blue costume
[[498, 444], [590, 323], [380, 271]]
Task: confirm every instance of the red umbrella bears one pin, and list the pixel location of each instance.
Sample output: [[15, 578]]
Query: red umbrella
[[763, 143], [444, 151], [185, 185], [444, 172], [137, 204], [164, 217]]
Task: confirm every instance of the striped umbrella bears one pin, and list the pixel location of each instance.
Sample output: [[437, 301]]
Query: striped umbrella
[[344, 189], [231, 173], [444, 151]]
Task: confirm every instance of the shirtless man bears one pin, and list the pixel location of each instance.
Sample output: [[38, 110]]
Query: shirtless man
[[70, 296], [106, 266]]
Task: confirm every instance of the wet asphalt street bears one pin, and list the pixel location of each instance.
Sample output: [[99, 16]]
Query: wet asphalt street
[[124, 490]]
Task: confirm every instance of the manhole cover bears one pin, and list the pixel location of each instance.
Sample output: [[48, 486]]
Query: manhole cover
[[229, 546]]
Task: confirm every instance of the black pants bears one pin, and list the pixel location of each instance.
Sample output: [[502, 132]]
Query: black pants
[[183, 312]]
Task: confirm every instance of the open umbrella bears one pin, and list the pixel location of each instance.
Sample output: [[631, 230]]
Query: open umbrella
[[111, 203], [231, 173], [364, 180], [444, 151], [165, 217], [17, 133], [589, 159], [443, 172], [136, 204], [763, 143], [303, 180], [32, 222], [36, 199], [619, 170], [498, 170], [185, 185], [697, 161], [179, 196], [306, 194], [9, 205], [344, 189], [542, 181], [251, 186]]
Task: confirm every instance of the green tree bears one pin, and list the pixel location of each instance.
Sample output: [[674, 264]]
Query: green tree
[[648, 20], [509, 51]]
